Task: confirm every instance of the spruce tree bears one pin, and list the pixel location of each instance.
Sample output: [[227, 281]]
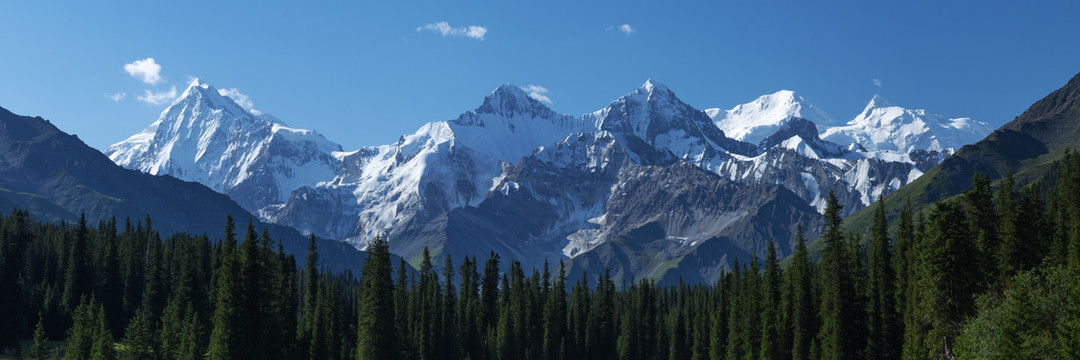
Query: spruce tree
[[80, 339], [771, 315], [139, 341], [1008, 253], [38, 350], [376, 332], [945, 295], [882, 316], [451, 338], [311, 289], [984, 221], [801, 309], [14, 241], [837, 334], [227, 334]]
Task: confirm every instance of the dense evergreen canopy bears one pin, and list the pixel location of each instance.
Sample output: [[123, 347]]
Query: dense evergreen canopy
[[994, 273]]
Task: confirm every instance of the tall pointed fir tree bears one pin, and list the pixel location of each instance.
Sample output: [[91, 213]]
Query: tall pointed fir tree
[[945, 296], [771, 316], [227, 333], [800, 310], [311, 291], [837, 310], [376, 331], [882, 316], [555, 308]]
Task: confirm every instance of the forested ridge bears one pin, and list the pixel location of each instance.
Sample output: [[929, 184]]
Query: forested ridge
[[993, 273]]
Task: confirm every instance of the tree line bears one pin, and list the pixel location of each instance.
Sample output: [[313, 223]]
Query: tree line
[[993, 273]]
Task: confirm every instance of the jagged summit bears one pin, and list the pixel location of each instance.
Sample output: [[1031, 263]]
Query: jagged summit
[[206, 137], [509, 99], [653, 87], [877, 101]]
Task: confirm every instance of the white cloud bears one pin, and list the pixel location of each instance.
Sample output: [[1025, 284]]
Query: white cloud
[[240, 98], [116, 97], [624, 28], [158, 97], [537, 92], [444, 28], [877, 82], [146, 70]]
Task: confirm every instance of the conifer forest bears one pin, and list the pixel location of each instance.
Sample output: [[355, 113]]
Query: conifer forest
[[991, 274]]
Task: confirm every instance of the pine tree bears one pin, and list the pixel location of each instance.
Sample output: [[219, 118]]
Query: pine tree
[[311, 288], [402, 315], [489, 293], [376, 332], [468, 312], [78, 278], [902, 261], [1009, 252], [883, 324], [227, 334], [945, 295], [771, 316], [451, 340], [801, 309], [14, 240], [837, 334], [578, 317], [102, 348], [139, 341], [38, 350], [80, 339], [984, 221]]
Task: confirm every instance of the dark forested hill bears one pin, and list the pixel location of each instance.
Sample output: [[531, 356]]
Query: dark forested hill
[[57, 177]]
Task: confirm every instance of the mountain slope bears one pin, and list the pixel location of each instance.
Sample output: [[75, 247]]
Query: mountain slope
[[1028, 145], [57, 177], [204, 136]]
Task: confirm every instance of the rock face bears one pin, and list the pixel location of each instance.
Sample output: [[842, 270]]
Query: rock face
[[648, 186]]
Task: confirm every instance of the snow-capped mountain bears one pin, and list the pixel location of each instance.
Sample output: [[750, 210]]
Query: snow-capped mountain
[[204, 136], [754, 121], [647, 179], [882, 126]]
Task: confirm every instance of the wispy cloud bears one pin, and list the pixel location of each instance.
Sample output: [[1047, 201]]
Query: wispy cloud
[[158, 97], [537, 92], [146, 70], [240, 98], [116, 97], [877, 83], [624, 28], [444, 28]]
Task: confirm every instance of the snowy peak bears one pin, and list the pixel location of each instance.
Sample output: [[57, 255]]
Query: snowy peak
[[877, 102], [206, 137], [645, 110], [652, 88], [201, 92], [882, 126], [509, 100], [754, 121]]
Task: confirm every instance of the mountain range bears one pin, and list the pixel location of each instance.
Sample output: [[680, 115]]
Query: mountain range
[[648, 186]]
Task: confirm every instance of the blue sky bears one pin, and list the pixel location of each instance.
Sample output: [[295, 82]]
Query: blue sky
[[364, 73]]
